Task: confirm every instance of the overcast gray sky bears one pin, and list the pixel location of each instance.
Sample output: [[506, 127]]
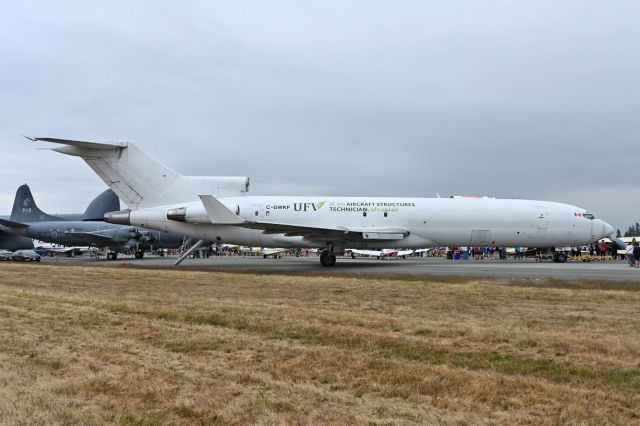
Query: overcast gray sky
[[517, 99]]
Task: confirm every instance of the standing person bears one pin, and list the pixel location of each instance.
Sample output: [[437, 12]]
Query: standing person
[[630, 257], [603, 248], [636, 255], [614, 251]]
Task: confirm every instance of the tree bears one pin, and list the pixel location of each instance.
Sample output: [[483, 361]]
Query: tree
[[633, 230], [618, 234]]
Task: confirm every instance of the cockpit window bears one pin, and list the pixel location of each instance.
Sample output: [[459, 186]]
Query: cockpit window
[[588, 216]]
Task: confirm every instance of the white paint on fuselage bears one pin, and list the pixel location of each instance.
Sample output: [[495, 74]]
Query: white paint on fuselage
[[431, 221]]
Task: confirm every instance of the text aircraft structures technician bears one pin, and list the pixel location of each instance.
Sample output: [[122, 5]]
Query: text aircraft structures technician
[[218, 209]]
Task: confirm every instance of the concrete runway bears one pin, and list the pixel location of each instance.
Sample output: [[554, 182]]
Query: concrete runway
[[601, 270]]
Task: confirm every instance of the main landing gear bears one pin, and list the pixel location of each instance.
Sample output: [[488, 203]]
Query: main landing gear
[[328, 255], [327, 258]]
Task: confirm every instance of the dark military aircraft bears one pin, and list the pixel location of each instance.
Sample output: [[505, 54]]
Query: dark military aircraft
[[28, 220]]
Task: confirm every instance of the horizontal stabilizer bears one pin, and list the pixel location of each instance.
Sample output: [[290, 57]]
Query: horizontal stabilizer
[[12, 224], [83, 144]]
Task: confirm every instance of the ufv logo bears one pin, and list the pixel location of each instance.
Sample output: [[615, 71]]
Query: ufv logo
[[304, 207]]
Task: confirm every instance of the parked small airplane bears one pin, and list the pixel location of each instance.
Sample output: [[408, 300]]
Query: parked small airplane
[[381, 254], [44, 249], [218, 209]]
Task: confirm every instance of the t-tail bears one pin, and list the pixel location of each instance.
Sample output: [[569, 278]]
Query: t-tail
[[140, 180], [25, 209]]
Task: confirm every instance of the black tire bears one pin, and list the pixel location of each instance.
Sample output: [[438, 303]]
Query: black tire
[[327, 260], [560, 258]]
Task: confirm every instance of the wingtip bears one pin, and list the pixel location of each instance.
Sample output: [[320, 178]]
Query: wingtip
[[31, 138]]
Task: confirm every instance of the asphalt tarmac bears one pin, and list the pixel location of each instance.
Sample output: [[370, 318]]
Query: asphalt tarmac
[[520, 269]]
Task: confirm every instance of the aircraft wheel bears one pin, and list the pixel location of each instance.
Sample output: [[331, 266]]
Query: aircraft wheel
[[327, 259], [265, 256], [139, 255], [560, 258]]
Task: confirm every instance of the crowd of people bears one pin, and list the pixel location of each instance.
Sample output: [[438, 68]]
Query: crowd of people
[[633, 254], [598, 250]]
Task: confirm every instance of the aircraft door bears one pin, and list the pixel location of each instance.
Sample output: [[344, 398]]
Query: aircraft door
[[480, 237], [542, 219]]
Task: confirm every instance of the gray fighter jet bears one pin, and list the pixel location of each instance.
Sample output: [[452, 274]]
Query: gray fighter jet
[[29, 221]]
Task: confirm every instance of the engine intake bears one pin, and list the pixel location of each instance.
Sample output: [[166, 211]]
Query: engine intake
[[122, 217], [179, 214]]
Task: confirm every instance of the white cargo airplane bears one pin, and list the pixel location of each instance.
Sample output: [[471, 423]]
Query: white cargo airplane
[[218, 209]]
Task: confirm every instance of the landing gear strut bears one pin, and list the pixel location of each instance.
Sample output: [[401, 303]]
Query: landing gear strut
[[327, 258]]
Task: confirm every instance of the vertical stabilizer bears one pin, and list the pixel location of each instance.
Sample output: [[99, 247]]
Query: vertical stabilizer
[[140, 180], [106, 202], [25, 209]]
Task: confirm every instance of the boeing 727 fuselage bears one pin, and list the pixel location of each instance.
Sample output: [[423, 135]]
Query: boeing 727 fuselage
[[217, 209]]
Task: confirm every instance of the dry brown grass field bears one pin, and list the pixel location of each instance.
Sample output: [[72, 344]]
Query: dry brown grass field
[[95, 345]]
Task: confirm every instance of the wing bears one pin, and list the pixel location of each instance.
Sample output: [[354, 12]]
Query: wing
[[92, 238], [12, 224], [220, 214]]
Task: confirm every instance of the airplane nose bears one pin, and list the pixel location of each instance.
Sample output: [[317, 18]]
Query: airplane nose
[[607, 229]]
